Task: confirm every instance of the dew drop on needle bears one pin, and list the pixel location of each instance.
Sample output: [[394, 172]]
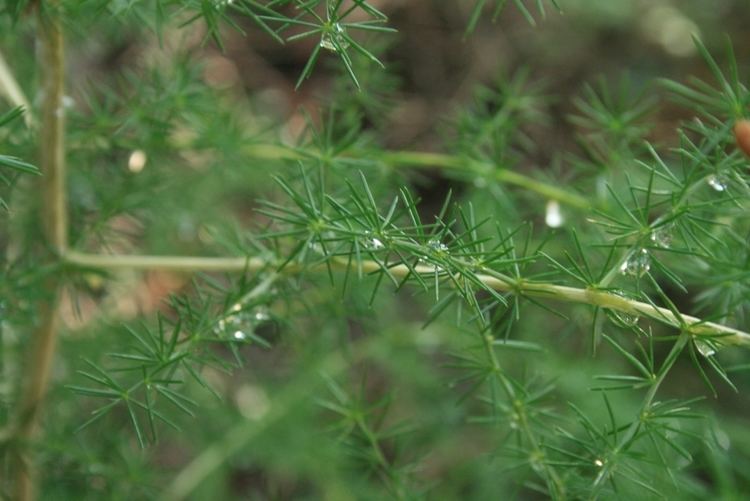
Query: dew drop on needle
[[553, 216], [717, 182], [334, 39], [662, 236], [637, 264], [705, 348]]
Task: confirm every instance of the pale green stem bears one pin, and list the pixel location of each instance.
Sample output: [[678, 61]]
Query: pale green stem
[[171, 263], [594, 297], [426, 160]]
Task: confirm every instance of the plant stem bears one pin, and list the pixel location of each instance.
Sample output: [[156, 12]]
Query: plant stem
[[186, 264], [54, 220], [554, 483], [37, 374], [594, 297], [627, 438], [52, 134], [426, 160]]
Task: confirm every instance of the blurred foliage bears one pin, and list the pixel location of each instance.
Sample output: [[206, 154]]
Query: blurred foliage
[[427, 138]]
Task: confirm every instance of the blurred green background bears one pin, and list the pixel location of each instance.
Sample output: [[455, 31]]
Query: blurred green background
[[191, 109]]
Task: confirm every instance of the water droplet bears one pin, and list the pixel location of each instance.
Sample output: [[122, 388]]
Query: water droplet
[[717, 182], [220, 326], [637, 265], [233, 322], [662, 236], [514, 425], [705, 348], [334, 39], [537, 463], [137, 161], [623, 319], [437, 246], [553, 216], [373, 243], [261, 315], [239, 322], [722, 439]]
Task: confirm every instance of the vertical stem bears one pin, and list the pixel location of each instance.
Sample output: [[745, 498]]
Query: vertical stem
[[54, 220], [52, 152], [38, 366]]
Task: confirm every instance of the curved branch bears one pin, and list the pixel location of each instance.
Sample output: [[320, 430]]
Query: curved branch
[[426, 160], [693, 325]]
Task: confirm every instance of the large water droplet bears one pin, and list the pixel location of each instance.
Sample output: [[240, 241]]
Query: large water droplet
[[718, 182], [334, 39], [137, 161], [372, 243], [261, 315], [623, 319], [637, 265], [705, 348], [553, 216], [662, 236]]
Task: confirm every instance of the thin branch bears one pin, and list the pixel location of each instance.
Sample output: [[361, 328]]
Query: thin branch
[[593, 297], [54, 219], [426, 160], [52, 134], [38, 369], [171, 263]]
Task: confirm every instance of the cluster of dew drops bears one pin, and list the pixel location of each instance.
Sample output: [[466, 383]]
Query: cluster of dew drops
[[334, 39], [639, 261], [240, 323]]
